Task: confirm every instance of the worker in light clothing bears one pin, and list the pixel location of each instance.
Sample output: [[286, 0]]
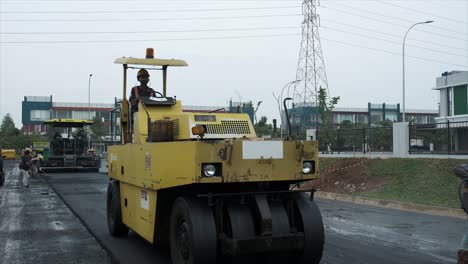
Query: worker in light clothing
[[25, 166]]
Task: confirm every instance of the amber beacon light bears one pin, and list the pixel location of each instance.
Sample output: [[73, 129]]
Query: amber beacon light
[[149, 53]]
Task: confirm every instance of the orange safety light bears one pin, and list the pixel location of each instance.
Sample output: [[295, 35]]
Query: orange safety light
[[198, 130], [149, 53]]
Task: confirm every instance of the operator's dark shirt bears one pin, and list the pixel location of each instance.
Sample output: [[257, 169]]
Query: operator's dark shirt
[[24, 164], [142, 92]]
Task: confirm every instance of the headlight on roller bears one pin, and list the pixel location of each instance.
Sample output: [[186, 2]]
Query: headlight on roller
[[308, 167], [209, 170]]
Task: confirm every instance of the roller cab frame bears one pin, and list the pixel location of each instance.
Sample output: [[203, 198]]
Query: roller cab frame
[[204, 185]]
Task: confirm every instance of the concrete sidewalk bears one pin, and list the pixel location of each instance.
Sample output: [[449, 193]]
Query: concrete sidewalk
[[36, 226]]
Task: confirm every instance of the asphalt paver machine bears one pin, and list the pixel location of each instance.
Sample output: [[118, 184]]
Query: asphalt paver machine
[[206, 187], [67, 148]]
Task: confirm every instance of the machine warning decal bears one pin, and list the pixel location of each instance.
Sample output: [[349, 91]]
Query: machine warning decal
[[147, 160], [211, 118], [144, 200]]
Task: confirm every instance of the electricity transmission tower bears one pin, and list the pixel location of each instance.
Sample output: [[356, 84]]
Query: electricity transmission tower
[[310, 68]]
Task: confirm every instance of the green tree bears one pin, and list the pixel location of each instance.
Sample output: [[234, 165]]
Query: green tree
[[7, 127], [262, 128], [327, 134], [9, 134], [98, 129]]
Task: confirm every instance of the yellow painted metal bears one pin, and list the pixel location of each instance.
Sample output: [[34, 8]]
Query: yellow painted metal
[[151, 62], [155, 166], [168, 164], [124, 120], [138, 209], [184, 121], [149, 167], [8, 154]]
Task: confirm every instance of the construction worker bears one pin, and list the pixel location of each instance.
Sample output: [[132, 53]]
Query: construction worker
[[35, 164], [25, 166], [57, 135], [80, 135], [142, 90]]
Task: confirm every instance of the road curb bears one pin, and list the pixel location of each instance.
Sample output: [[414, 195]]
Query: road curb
[[405, 206]]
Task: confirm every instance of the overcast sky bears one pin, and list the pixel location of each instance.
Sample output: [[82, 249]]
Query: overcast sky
[[244, 50]]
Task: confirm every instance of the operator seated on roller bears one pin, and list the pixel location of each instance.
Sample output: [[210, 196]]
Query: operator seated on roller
[[57, 136], [80, 135], [142, 90]]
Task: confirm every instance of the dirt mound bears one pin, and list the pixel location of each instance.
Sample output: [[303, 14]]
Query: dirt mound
[[347, 176]]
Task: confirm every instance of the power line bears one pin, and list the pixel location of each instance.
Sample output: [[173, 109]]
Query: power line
[[214, 30], [187, 1], [391, 23], [220, 38], [394, 35], [141, 40], [394, 53], [145, 11], [140, 32], [397, 18], [143, 19], [395, 42], [221, 30], [423, 12]]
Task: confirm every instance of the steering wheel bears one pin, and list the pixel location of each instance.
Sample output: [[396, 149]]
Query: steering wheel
[[157, 94]]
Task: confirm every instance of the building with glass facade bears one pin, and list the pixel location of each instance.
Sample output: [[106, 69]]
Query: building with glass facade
[[37, 109]]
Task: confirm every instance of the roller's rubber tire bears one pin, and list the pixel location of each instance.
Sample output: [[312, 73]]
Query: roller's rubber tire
[[192, 233], [114, 211], [312, 228], [2, 178], [242, 226]]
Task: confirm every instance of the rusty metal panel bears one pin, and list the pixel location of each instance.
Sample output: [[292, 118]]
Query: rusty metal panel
[[161, 131]]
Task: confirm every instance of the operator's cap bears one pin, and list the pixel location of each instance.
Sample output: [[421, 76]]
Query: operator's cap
[[142, 72]]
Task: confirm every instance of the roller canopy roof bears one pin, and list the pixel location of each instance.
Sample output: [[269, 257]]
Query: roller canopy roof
[[151, 62]]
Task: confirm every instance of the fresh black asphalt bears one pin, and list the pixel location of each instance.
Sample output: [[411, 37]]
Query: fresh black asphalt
[[354, 233]]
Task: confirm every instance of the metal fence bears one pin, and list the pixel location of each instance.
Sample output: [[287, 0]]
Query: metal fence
[[364, 139], [439, 138]]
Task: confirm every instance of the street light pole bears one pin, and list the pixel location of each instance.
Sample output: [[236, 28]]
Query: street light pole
[[281, 100], [89, 107], [89, 96], [404, 41]]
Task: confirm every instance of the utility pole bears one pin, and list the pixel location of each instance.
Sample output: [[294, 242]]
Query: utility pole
[[403, 67], [311, 65], [89, 107]]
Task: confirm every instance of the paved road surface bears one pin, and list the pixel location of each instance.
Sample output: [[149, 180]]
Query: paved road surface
[[354, 233], [37, 227]]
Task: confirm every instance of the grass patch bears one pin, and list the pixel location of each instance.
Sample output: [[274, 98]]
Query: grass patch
[[423, 181]]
